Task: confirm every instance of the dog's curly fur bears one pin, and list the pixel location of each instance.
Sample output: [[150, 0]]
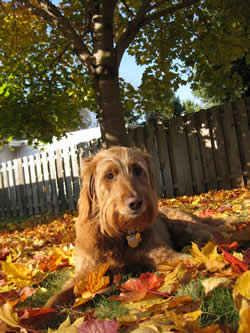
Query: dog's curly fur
[[118, 197]]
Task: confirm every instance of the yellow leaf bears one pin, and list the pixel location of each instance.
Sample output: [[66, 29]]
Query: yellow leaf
[[157, 323], [194, 315], [244, 323], [87, 288], [238, 255], [8, 316], [213, 282], [196, 202], [179, 275], [207, 256], [241, 289], [149, 305], [67, 327], [242, 285], [21, 275], [187, 322]]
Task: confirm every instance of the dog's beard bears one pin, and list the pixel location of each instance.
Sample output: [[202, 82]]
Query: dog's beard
[[117, 222]]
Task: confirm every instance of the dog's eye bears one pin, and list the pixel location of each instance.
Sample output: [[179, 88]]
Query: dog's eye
[[137, 170], [109, 176]]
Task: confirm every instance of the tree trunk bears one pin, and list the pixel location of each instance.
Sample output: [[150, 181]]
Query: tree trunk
[[104, 71], [110, 111]]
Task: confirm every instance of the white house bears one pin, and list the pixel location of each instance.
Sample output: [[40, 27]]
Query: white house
[[16, 149]]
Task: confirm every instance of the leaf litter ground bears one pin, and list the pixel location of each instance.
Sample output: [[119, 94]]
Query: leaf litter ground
[[206, 294]]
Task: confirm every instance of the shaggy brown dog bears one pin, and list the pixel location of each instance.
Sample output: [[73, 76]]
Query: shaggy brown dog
[[119, 221]]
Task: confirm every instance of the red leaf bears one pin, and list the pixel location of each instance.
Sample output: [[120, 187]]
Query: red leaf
[[233, 260], [100, 326], [147, 281], [137, 289], [206, 212]]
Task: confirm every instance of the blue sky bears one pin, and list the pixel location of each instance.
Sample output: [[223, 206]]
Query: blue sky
[[132, 73]]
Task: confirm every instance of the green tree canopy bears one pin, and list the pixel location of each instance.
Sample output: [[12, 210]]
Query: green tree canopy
[[59, 56], [240, 72]]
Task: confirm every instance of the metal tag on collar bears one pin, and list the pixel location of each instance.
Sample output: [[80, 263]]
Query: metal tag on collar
[[134, 239]]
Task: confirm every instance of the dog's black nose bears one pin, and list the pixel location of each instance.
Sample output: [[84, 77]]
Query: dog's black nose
[[134, 203]]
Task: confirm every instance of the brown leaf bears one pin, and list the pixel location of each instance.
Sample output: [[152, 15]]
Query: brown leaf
[[34, 315]]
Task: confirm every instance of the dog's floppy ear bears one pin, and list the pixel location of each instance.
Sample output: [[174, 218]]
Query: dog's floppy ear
[[87, 202]]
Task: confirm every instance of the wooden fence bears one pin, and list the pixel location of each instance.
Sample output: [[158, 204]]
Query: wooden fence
[[206, 150]]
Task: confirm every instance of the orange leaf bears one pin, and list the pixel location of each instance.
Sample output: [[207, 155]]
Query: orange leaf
[[87, 288]]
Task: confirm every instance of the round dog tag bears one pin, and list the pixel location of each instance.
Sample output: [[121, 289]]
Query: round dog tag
[[134, 240]]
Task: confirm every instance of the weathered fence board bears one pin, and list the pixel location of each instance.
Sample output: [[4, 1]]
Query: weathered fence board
[[165, 164], [243, 135], [179, 157], [195, 154], [231, 145], [192, 154]]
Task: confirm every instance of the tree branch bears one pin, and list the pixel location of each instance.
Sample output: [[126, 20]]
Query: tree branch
[[131, 30], [170, 10], [128, 9], [53, 16], [141, 20]]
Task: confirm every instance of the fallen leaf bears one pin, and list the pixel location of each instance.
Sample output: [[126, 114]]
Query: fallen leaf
[[98, 326], [207, 212], [34, 315], [67, 327], [241, 289], [180, 275], [233, 260], [21, 275], [214, 282], [244, 323], [207, 256], [87, 288], [8, 316], [135, 289], [57, 259], [180, 300]]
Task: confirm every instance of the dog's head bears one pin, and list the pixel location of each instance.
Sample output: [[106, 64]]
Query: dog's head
[[118, 190]]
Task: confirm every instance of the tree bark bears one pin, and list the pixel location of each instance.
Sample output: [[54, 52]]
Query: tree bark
[[110, 111]]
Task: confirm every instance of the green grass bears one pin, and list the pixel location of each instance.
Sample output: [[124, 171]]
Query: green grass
[[217, 308], [49, 287], [105, 309]]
